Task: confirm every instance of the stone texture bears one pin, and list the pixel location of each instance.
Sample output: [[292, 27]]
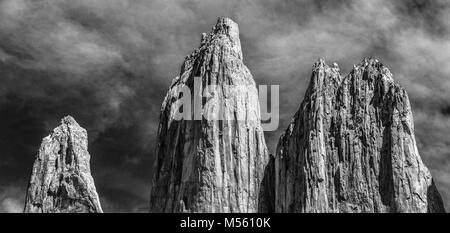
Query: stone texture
[[351, 147], [61, 180], [211, 165]]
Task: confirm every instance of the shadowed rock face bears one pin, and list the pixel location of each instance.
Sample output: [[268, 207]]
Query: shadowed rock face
[[351, 148], [211, 165], [61, 180]]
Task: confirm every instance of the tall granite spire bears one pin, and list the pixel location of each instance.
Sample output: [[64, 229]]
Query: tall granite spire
[[351, 147], [213, 159], [61, 180]]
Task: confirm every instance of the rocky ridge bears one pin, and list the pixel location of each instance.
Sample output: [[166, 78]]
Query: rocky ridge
[[351, 147]]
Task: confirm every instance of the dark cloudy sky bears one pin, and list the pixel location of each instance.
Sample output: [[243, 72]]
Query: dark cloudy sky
[[109, 62]]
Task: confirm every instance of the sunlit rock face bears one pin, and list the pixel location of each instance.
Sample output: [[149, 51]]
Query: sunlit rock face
[[61, 180], [214, 163], [351, 147]]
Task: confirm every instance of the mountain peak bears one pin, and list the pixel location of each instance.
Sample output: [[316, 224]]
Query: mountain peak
[[61, 179], [353, 145], [224, 33], [227, 26], [69, 120], [211, 164]]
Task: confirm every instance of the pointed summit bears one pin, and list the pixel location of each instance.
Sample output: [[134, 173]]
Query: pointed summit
[[228, 27], [211, 164], [351, 148], [224, 33], [61, 180], [69, 120]]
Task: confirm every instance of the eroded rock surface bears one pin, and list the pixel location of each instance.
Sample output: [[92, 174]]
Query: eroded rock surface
[[205, 164], [61, 180], [351, 147]]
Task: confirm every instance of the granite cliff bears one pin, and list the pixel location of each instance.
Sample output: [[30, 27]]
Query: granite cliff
[[351, 147], [213, 159], [61, 180]]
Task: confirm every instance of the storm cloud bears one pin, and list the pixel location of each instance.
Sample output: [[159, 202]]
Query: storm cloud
[[109, 63]]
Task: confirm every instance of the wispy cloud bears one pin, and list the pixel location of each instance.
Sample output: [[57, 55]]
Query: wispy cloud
[[11, 199]]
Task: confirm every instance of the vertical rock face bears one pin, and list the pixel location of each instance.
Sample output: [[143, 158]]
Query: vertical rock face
[[351, 148], [211, 164], [61, 180]]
